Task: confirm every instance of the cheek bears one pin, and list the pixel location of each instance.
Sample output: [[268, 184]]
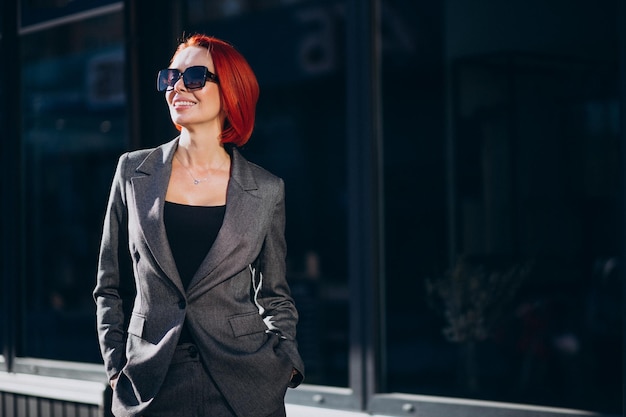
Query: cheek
[[216, 101], [210, 94]]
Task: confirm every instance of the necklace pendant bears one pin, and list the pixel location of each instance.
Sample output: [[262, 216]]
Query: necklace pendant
[[196, 182]]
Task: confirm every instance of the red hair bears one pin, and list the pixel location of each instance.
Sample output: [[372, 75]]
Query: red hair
[[238, 85]]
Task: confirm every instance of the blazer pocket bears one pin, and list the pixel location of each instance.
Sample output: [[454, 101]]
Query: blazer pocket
[[136, 325], [247, 324]]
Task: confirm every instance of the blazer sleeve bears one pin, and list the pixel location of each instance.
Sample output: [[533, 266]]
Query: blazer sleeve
[[114, 290], [280, 312]]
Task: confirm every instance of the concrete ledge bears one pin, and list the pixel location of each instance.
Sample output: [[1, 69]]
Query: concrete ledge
[[406, 405], [392, 405], [63, 389], [304, 411]]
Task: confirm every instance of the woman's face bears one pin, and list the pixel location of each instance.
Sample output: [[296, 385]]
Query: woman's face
[[195, 108]]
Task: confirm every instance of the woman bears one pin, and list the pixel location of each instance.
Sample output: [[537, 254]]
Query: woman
[[204, 325]]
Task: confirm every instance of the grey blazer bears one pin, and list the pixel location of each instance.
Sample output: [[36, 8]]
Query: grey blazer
[[238, 304]]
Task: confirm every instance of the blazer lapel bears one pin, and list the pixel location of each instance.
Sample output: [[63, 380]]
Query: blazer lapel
[[150, 186], [239, 220]]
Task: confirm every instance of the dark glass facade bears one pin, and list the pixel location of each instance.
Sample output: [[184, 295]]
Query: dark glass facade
[[502, 201], [454, 177], [73, 128]]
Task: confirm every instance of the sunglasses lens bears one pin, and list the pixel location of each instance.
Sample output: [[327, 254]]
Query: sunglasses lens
[[195, 77], [166, 79]]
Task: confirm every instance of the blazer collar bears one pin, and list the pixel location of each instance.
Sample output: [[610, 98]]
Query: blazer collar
[[243, 203], [159, 162], [150, 187]]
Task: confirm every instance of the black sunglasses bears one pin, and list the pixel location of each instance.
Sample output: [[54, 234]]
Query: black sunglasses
[[193, 78]]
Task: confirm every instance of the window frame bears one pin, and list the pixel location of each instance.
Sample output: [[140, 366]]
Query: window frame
[[365, 391]]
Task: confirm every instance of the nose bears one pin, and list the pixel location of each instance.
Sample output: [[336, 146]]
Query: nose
[[179, 85]]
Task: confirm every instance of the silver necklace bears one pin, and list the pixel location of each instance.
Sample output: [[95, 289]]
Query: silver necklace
[[196, 181]]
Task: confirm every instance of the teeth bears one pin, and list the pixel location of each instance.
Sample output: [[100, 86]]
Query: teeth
[[184, 103]]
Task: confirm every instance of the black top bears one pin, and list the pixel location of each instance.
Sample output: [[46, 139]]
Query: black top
[[191, 231]]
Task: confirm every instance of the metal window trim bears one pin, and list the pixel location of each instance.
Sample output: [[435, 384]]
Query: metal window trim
[[407, 405], [55, 388], [365, 196], [10, 186], [71, 18], [319, 396], [60, 369], [85, 383], [622, 226]]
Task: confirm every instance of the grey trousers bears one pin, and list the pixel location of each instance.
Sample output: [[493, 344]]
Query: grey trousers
[[189, 391]]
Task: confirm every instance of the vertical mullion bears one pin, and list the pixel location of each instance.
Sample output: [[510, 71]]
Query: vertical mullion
[[622, 66], [152, 34], [365, 191], [10, 178]]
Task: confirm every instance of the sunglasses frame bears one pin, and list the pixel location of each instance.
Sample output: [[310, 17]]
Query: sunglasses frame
[[166, 82]]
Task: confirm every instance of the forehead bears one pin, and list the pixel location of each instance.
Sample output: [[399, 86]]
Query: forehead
[[192, 55]]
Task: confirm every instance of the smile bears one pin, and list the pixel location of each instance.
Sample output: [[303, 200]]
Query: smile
[[184, 103]]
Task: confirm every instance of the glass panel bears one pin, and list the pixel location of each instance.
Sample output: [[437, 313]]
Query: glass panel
[[415, 192], [514, 295], [74, 128], [300, 136]]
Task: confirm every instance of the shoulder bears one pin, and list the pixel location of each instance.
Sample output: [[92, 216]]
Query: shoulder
[[262, 174], [138, 155], [130, 161], [249, 172]]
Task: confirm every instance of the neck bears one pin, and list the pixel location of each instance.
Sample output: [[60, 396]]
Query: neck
[[202, 150]]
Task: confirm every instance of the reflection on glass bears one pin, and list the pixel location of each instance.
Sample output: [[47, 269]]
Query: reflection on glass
[[200, 11], [502, 268], [73, 130], [39, 11], [300, 136]]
